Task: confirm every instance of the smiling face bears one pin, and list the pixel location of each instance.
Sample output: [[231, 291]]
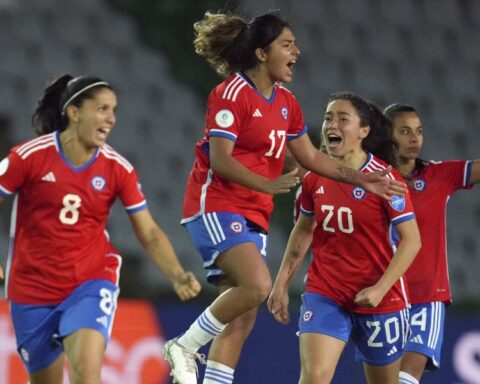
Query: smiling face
[[341, 130], [408, 133], [280, 57], [94, 119]]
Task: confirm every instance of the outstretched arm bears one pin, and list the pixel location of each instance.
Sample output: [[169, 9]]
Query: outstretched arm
[[159, 248], [297, 247], [408, 248], [475, 177], [316, 161], [223, 163]]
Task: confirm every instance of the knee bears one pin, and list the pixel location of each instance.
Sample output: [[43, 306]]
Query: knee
[[84, 373], [316, 375], [259, 291]]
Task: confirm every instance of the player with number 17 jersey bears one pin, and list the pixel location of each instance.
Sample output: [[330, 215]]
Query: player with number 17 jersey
[[48, 234], [353, 241], [260, 128]]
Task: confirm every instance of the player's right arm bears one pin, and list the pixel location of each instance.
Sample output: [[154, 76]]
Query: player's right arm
[[297, 247], [223, 163], [2, 275]]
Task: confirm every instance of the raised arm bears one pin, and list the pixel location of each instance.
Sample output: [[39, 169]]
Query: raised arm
[[159, 248], [223, 163], [408, 248], [298, 243], [316, 161]]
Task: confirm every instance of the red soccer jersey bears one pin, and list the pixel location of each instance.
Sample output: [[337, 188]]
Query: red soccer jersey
[[430, 190], [352, 243], [58, 237], [260, 128]]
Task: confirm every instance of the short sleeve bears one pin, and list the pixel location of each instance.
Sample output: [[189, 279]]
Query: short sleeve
[[12, 174]]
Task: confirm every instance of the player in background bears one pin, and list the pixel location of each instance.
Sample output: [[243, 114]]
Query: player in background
[[62, 272], [354, 286], [431, 184], [250, 121]]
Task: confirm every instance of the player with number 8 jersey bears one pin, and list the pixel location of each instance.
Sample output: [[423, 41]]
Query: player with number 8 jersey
[[46, 259], [62, 273]]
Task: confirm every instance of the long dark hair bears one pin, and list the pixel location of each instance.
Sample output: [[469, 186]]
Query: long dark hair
[[380, 139], [50, 116], [229, 43], [395, 110]]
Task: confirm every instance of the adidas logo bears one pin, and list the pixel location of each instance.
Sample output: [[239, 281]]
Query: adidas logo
[[49, 177], [257, 113], [320, 191], [103, 320], [392, 351], [417, 339]]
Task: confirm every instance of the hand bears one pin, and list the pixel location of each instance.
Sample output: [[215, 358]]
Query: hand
[[186, 286], [381, 185], [369, 297], [283, 183], [2, 276], [277, 304]]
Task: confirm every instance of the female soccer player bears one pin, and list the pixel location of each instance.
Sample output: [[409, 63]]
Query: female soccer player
[[354, 285], [62, 273], [431, 184], [250, 121]]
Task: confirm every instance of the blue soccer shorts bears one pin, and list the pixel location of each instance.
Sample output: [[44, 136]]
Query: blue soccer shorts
[[426, 324], [216, 232], [378, 338], [40, 329]]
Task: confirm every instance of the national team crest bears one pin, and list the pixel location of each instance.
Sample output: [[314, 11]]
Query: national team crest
[[307, 316], [358, 193], [397, 203], [285, 113], [98, 183], [418, 185], [236, 226]]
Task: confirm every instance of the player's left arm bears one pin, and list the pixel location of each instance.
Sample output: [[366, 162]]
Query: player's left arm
[[475, 175], [159, 248], [407, 249]]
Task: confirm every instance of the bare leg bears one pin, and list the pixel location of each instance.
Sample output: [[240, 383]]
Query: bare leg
[[319, 355], [53, 374], [85, 350]]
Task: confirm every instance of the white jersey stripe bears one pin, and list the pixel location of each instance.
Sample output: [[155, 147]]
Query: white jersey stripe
[[203, 195], [118, 159], [130, 207], [37, 148], [238, 90], [231, 88], [39, 140], [227, 88], [11, 242]]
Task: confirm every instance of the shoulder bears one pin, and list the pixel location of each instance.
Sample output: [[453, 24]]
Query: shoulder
[[35, 146], [233, 89], [116, 159]]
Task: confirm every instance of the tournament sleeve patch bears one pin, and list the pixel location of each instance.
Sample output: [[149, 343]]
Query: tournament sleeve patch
[[224, 118]]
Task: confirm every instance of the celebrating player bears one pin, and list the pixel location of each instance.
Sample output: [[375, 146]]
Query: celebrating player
[[62, 272], [354, 284], [431, 184], [250, 121]]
